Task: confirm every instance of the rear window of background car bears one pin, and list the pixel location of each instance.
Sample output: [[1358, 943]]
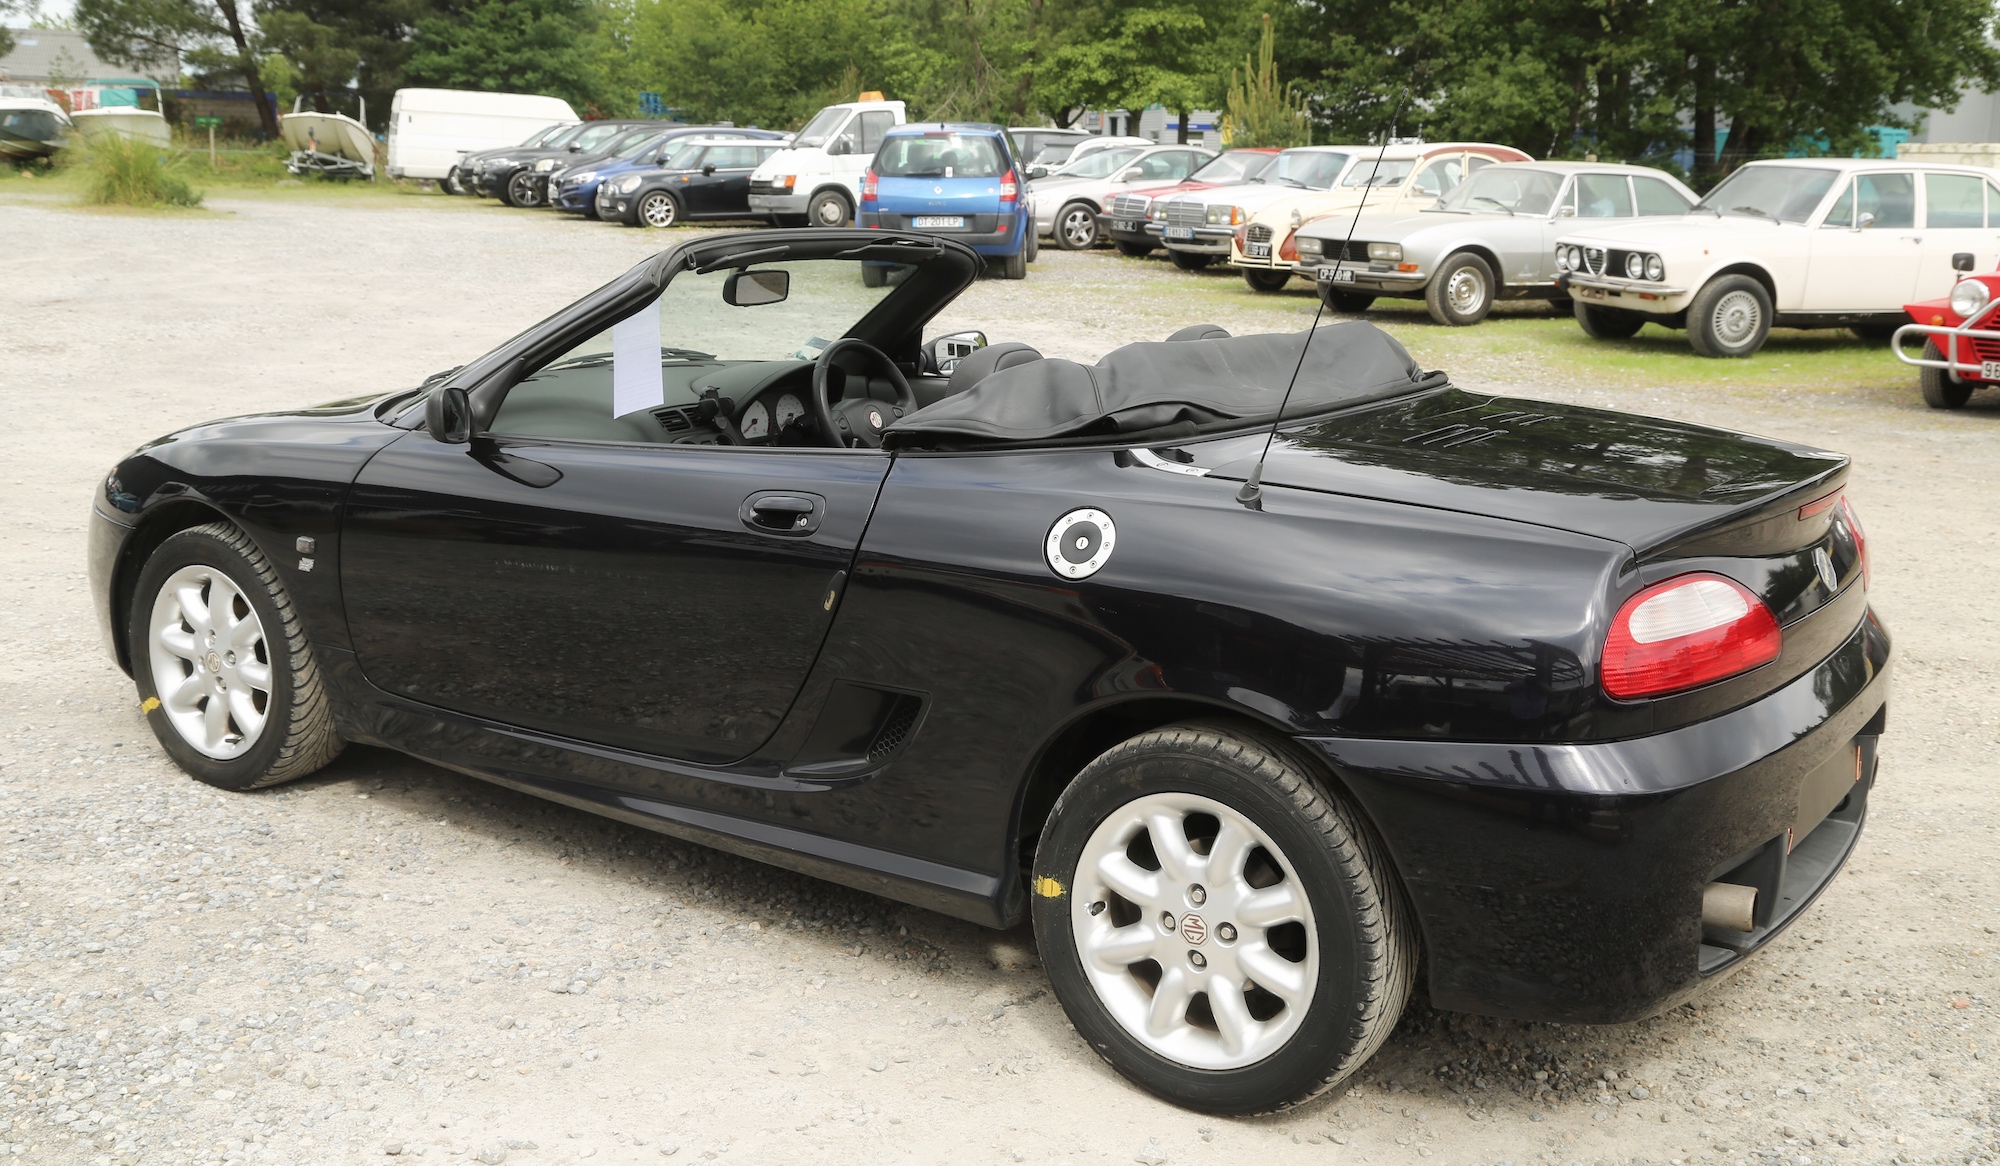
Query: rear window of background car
[[1657, 198], [940, 156], [1960, 200]]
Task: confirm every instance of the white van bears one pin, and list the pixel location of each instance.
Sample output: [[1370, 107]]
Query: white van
[[818, 180], [430, 128]]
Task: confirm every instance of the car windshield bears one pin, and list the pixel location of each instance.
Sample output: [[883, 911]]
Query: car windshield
[[1234, 166], [626, 144], [825, 299], [1055, 154], [1385, 173], [644, 146], [35, 124], [566, 135], [1102, 164], [940, 155], [823, 123], [595, 138], [1308, 169], [1787, 194], [545, 135], [684, 158], [1506, 188]]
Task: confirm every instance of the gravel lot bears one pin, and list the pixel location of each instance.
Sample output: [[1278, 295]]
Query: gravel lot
[[393, 960]]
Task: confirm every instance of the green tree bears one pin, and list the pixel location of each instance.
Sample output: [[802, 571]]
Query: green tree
[[517, 46], [209, 35], [1260, 110], [332, 45]]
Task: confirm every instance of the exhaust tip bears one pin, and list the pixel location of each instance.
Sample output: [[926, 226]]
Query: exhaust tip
[[1730, 906]]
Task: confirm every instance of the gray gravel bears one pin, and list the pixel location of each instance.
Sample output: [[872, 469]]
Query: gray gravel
[[393, 962]]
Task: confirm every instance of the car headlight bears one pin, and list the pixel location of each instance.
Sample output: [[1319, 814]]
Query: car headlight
[[1310, 249], [1576, 259], [627, 184], [1562, 259], [586, 176], [1635, 265], [1224, 216], [545, 165], [1969, 296], [1392, 252], [785, 181], [1655, 270]]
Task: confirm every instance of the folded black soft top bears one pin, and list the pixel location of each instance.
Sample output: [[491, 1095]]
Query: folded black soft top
[[1174, 384]]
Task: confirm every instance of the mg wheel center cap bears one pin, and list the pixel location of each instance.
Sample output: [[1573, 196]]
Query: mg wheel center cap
[[213, 661], [1194, 929]]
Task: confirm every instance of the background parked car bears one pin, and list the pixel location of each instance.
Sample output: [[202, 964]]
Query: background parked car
[[458, 179], [702, 178], [511, 175], [1961, 347], [1798, 243], [959, 179], [1402, 178], [1032, 140], [1067, 205], [610, 150], [818, 180], [1201, 227], [1489, 239], [1130, 221], [1057, 156], [574, 188], [430, 129]]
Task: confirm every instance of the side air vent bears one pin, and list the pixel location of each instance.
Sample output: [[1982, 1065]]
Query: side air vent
[[859, 729], [896, 728], [673, 420]]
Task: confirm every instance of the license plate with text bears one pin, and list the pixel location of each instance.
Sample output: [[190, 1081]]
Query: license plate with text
[[936, 221], [1180, 232], [1257, 250], [1989, 370], [1129, 226], [1335, 275]]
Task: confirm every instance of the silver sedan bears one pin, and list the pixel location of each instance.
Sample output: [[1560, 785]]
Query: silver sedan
[[1489, 238]]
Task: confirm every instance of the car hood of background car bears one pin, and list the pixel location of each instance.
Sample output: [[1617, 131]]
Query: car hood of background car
[[1251, 196], [1686, 231], [1392, 228]]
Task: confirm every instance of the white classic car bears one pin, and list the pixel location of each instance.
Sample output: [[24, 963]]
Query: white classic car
[[1796, 243]]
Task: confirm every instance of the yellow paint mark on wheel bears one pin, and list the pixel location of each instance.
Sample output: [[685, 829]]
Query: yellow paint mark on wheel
[[150, 703], [1048, 888]]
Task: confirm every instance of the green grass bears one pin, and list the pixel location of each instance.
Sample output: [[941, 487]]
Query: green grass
[[114, 170]]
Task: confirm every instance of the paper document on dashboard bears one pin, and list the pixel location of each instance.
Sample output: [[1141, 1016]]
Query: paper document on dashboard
[[636, 382]]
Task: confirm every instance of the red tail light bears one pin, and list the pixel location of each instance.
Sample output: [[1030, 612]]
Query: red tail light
[[1860, 539], [1010, 188], [869, 185], [1687, 632]]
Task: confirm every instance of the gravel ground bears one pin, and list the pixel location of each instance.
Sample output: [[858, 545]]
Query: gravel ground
[[391, 960]]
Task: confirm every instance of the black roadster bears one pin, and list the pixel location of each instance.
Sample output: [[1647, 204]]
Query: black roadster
[[1568, 710]]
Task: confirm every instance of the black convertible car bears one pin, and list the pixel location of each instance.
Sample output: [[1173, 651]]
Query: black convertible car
[[1568, 710]]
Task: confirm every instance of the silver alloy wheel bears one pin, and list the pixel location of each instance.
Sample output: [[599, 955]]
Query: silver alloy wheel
[[658, 210], [1735, 318], [1079, 227], [211, 664], [1211, 959], [1465, 291], [831, 212]]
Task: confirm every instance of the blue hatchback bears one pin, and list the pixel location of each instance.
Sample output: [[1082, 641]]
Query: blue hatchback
[[956, 179]]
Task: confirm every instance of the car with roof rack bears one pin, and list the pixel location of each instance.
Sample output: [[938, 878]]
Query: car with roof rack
[[1132, 221], [1787, 243], [1488, 240]]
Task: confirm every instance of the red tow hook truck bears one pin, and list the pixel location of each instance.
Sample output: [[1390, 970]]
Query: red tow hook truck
[[1961, 336]]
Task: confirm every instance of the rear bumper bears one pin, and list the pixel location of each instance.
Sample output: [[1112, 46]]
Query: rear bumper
[[1563, 883], [985, 242]]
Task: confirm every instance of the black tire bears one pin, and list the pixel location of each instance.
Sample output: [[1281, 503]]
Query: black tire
[[1352, 303], [874, 274], [1190, 260], [829, 208], [1365, 942], [657, 205], [1014, 266], [1076, 227], [521, 190], [1461, 291], [1606, 323], [1940, 391], [1729, 318], [1876, 333], [297, 737], [1031, 247], [1562, 306], [1132, 250], [1266, 279]]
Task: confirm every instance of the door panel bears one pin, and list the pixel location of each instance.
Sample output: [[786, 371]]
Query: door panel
[[1870, 268], [627, 603], [1959, 216]]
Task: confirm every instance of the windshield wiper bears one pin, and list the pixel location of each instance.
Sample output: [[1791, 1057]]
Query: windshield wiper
[[1293, 182], [1755, 213], [917, 174], [1496, 202]]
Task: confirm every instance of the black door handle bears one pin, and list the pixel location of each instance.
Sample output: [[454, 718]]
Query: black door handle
[[783, 513]]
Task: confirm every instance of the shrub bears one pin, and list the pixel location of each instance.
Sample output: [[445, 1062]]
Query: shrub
[[122, 171]]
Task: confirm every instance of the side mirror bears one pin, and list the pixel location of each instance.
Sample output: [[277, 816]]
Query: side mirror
[[448, 416], [708, 170], [1866, 221], [1961, 261], [1566, 211], [944, 353], [1132, 175], [751, 289], [1038, 171], [839, 146]]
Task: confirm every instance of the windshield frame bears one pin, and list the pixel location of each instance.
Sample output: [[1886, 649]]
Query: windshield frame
[[1271, 177], [1110, 160], [1837, 179], [835, 118]]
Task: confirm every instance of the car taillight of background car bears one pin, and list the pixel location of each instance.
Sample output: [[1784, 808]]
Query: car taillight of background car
[[1686, 632]]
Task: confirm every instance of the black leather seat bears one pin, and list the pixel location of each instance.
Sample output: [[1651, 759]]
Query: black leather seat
[[984, 362]]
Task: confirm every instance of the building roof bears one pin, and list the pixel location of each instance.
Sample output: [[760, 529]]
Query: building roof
[[59, 56]]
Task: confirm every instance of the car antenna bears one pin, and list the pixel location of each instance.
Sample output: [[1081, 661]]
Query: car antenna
[[1252, 493]]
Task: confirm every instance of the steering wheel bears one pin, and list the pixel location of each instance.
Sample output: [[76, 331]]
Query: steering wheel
[[858, 422]]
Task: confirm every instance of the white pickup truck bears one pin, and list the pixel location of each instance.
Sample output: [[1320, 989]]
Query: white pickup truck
[[818, 180]]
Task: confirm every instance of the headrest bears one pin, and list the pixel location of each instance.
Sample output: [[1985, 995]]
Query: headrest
[[1201, 332], [984, 362]]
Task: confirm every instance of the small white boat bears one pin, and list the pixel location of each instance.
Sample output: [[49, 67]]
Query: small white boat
[[146, 125], [330, 144], [31, 127]]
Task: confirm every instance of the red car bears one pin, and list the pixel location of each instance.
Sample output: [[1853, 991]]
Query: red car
[[1961, 339], [1129, 219]]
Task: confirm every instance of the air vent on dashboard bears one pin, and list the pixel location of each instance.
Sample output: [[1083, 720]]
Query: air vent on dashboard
[[673, 420]]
